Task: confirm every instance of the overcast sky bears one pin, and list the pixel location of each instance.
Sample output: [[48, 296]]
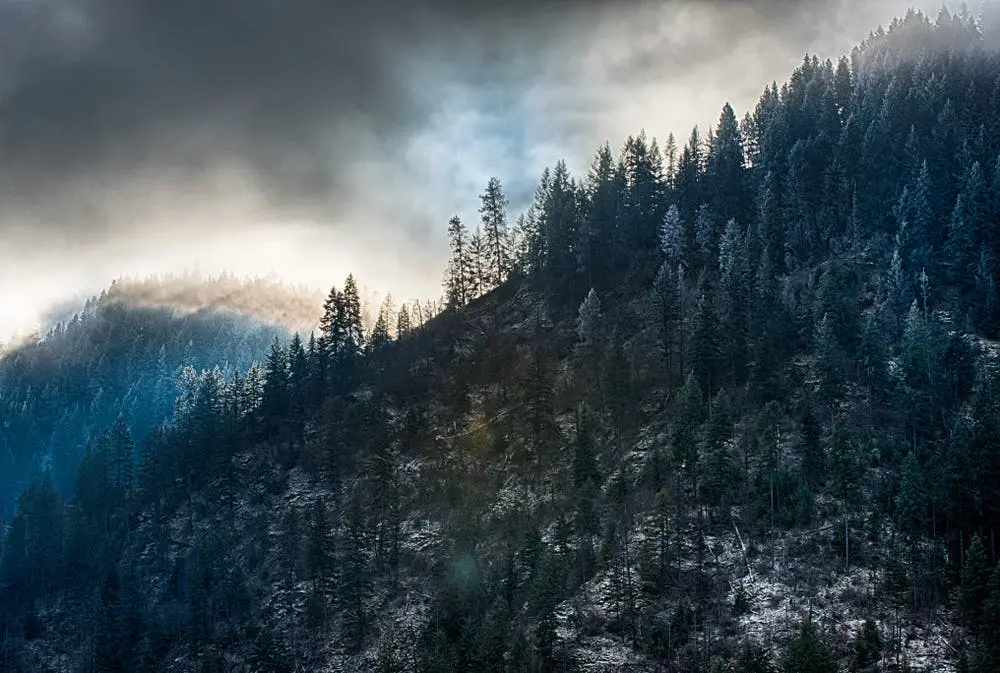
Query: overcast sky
[[316, 137]]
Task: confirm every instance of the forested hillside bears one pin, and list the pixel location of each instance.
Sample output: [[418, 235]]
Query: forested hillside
[[730, 404], [126, 353]]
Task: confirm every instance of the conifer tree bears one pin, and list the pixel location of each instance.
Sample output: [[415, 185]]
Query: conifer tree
[[403, 324], [298, 377], [973, 590], [456, 288], [703, 344], [354, 580], [725, 168], [588, 320], [808, 652], [599, 234], [380, 335], [672, 237], [497, 238], [667, 300], [846, 472], [274, 400], [354, 331], [477, 281], [331, 325], [687, 418]]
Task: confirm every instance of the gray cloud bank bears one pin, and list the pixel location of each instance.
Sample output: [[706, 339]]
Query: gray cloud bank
[[179, 125]]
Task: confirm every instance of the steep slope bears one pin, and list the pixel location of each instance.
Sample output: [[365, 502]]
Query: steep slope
[[125, 353], [733, 409]]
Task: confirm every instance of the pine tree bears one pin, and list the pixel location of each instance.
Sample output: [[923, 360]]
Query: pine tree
[[973, 590], [672, 237], [688, 414], [560, 220], [718, 471], [298, 377], [808, 652], [354, 331], [725, 170], [588, 320], [846, 472], [274, 401], [317, 363], [734, 302], [966, 230], [331, 325], [703, 344], [598, 236], [477, 281], [403, 324], [754, 659], [539, 410], [354, 584], [380, 336], [643, 213], [867, 648], [456, 288], [667, 300], [496, 245]]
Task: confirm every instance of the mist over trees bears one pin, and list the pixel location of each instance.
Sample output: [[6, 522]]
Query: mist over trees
[[753, 369]]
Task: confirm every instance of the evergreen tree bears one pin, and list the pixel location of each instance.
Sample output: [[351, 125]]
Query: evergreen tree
[[600, 233], [846, 473], [354, 584], [456, 287], [688, 413], [354, 332], [497, 239], [672, 237], [867, 648], [477, 281], [703, 344], [331, 324], [724, 175], [588, 320], [973, 591], [808, 652], [298, 377], [403, 324], [380, 336], [274, 401], [667, 301]]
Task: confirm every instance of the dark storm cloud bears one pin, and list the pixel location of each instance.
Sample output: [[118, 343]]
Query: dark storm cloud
[[110, 85], [96, 89]]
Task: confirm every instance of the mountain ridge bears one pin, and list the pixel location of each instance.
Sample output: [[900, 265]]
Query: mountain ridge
[[698, 411]]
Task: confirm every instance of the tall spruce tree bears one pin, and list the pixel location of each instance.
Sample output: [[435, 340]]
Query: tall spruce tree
[[495, 231], [456, 279]]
